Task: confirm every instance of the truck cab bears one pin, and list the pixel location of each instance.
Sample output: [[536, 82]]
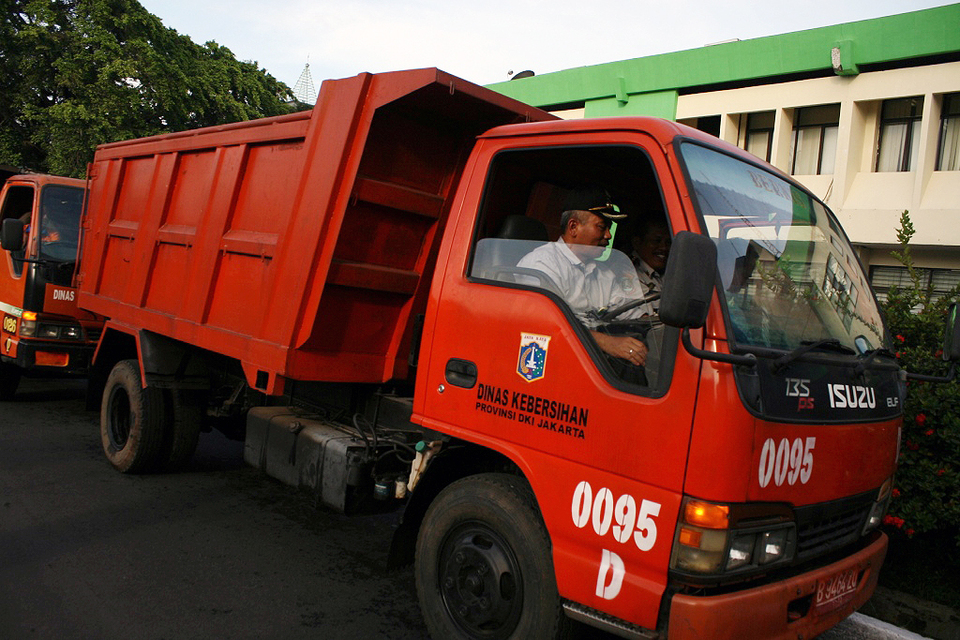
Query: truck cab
[[43, 331], [757, 450]]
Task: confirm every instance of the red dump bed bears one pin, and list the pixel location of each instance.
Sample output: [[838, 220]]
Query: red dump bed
[[301, 245]]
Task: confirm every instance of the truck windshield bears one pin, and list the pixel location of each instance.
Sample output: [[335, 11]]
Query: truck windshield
[[789, 276], [60, 208]]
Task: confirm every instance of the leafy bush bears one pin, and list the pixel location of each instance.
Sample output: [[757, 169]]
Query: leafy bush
[[926, 498]]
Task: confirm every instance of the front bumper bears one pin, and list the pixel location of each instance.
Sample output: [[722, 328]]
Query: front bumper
[[78, 357], [779, 611]]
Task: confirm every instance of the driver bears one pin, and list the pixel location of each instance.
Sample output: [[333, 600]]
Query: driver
[[589, 283]]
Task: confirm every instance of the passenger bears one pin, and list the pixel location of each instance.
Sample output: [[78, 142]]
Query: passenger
[[651, 247], [590, 286], [50, 231]]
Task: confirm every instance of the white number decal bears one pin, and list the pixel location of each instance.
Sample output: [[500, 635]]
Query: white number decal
[[603, 511], [646, 534], [582, 498], [786, 461], [626, 515]]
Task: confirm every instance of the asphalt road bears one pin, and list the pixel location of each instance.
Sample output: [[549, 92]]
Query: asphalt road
[[217, 551]]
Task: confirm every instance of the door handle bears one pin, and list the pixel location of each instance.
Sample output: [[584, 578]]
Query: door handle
[[461, 373]]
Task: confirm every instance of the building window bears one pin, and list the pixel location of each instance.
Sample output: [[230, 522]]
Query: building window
[[815, 140], [709, 124], [899, 133], [948, 154], [941, 281], [759, 138]]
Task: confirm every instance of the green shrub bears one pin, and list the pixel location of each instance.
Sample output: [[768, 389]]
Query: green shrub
[[926, 498]]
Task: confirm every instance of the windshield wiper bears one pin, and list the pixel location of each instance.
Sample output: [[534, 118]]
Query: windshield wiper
[[806, 346], [866, 358]]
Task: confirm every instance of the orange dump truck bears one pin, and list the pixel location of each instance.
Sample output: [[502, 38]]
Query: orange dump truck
[[347, 282], [43, 331]]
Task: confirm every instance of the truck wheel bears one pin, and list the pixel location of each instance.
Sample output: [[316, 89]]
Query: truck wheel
[[9, 380], [483, 565], [131, 420], [187, 410]]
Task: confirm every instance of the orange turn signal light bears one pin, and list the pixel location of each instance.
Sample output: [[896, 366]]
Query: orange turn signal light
[[690, 537], [706, 514]]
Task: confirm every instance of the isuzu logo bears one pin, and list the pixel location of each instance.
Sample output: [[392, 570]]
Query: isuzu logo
[[848, 396]]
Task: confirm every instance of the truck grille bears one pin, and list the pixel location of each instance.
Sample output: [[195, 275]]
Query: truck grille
[[822, 528], [94, 334]]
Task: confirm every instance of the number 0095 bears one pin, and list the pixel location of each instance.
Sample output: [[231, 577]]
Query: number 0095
[[786, 462]]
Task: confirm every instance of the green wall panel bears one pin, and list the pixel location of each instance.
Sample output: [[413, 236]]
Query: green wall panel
[[603, 87]]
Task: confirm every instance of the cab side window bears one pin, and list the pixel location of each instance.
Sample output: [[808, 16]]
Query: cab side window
[[18, 203], [563, 221]]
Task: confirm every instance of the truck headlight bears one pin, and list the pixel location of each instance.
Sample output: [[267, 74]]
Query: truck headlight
[[716, 539], [49, 331], [879, 507], [28, 324], [71, 332], [56, 331]]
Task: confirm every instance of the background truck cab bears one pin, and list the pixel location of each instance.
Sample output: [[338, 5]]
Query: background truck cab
[[43, 332]]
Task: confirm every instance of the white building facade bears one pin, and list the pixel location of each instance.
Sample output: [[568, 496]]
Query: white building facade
[[866, 115]]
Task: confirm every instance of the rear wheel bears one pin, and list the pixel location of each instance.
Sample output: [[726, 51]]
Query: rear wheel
[[186, 408], [484, 568], [132, 420], [9, 380]]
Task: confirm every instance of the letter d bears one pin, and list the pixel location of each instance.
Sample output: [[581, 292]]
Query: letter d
[[611, 564]]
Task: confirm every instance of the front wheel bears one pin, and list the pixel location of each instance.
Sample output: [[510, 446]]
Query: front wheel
[[484, 567], [132, 420]]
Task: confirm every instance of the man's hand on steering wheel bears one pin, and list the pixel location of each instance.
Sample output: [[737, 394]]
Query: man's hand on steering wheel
[[627, 347]]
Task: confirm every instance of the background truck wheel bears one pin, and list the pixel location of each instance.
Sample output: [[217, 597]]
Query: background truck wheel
[[9, 380], [186, 407], [131, 420], [484, 567]]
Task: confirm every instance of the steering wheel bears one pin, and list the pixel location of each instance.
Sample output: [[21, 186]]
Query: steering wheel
[[610, 314], [634, 326]]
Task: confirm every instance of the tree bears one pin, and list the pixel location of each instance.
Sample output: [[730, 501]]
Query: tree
[[927, 494], [78, 73]]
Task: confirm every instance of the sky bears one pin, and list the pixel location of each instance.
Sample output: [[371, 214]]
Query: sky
[[485, 41]]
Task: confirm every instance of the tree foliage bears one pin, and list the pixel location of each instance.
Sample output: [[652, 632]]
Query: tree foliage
[[78, 73], [927, 494]]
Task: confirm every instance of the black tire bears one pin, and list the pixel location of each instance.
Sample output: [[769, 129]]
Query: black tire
[[132, 420], [9, 380], [186, 409], [483, 567]]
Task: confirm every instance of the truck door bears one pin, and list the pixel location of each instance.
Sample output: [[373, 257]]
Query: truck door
[[514, 366], [17, 203]]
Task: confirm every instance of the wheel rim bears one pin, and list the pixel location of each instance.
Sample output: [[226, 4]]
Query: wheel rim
[[119, 419], [480, 581]]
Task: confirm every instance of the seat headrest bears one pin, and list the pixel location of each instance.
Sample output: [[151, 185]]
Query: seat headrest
[[517, 227]]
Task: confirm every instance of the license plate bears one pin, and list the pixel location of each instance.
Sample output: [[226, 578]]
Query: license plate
[[835, 591]]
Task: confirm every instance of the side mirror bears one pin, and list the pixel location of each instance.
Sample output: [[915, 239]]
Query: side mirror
[[11, 234], [951, 335], [689, 281]]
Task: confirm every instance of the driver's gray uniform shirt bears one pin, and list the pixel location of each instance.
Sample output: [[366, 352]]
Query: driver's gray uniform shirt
[[590, 286]]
